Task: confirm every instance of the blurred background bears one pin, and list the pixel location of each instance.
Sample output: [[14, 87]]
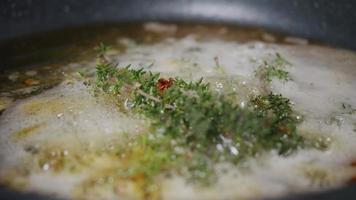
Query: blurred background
[[333, 22]]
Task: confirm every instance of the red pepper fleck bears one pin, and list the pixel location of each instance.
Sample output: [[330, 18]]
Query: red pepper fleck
[[163, 84], [353, 163], [352, 180]]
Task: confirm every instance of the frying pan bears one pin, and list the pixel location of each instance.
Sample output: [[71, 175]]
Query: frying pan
[[330, 22]]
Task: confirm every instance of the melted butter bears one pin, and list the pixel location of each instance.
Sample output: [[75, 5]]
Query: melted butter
[[68, 137], [26, 132], [53, 106]]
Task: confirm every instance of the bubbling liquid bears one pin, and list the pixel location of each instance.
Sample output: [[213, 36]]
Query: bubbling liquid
[[57, 137]]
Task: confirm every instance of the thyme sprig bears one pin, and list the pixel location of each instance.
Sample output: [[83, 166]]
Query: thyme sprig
[[273, 69], [194, 127]]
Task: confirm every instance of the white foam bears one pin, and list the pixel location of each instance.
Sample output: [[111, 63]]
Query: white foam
[[322, 79]]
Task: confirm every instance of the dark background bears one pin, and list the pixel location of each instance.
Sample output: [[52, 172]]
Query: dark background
[[332, 21]]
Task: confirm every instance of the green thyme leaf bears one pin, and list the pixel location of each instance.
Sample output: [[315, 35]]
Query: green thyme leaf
[[275, 68], [194, 127]]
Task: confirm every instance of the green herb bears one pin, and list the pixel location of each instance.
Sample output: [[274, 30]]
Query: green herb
[[193, 126], [278, 109], [102, 48], [81, 74], [218, 67], [275, 68]]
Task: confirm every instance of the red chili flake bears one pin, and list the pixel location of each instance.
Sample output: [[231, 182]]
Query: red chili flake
[[353, 163], [352, 180], [163, 84]]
